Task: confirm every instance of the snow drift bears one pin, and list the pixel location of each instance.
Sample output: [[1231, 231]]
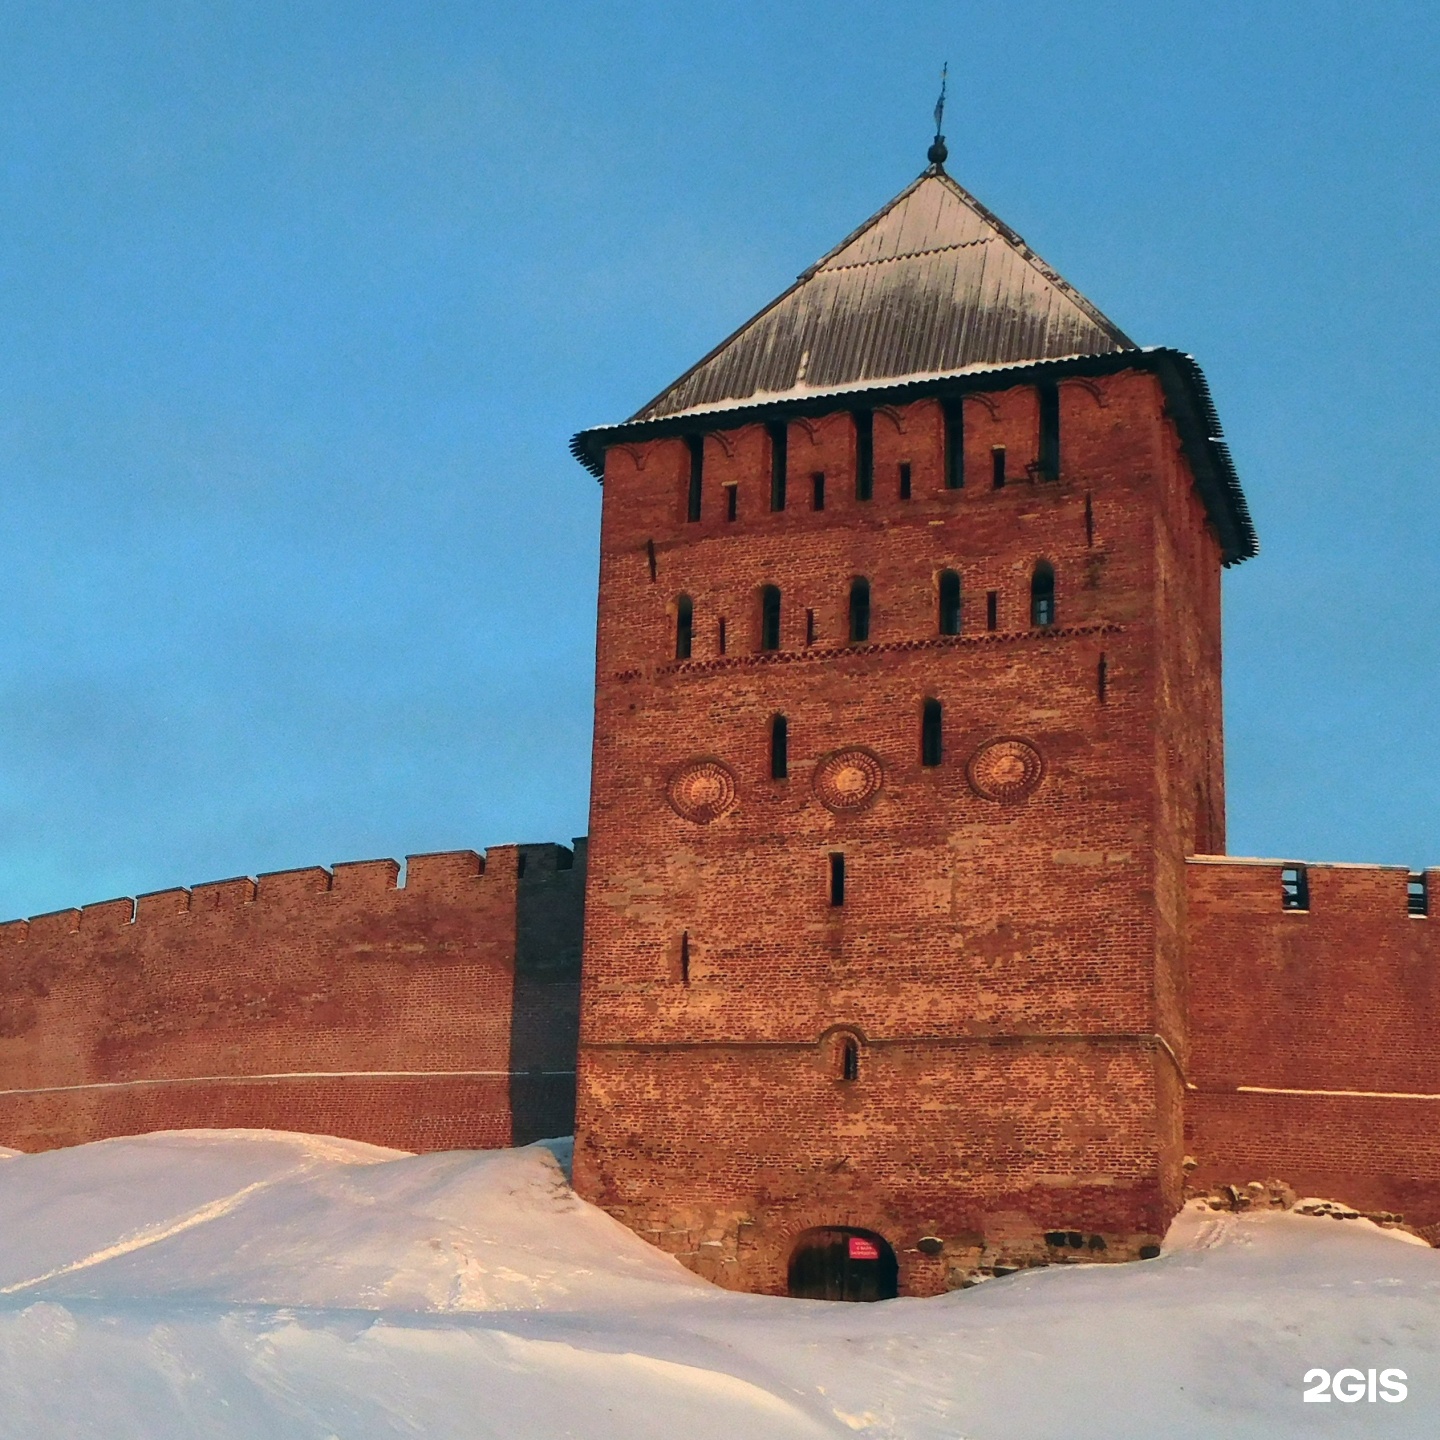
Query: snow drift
[[255, 1284]]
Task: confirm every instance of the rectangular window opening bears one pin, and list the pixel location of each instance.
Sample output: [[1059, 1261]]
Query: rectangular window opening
[[732, 501], [1417, 893], [779, 455], [992, 609], [931, 740], [779, 748], [837, 879], [997, 467], [721, 635], [1049, 430], [1089, 522], [954, 417], [864, 455], [905, 480], [684, 957], [1294, 888], [696, 444], [1102, 680], [817, 490], [650, 559], [809, 627]]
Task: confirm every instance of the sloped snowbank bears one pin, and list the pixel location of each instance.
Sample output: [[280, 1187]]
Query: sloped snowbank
[[253, 1284]]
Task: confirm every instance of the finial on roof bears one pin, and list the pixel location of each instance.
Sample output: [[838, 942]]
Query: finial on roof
[[937, 153]]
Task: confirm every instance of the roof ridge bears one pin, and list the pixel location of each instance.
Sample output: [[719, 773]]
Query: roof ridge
[[785, 294], [1018, 243]]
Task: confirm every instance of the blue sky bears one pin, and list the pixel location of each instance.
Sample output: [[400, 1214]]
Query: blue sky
[[300, 304]]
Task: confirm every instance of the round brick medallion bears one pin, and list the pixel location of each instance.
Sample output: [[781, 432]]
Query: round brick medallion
[[702, 791], [848, 779], [1006, 770]]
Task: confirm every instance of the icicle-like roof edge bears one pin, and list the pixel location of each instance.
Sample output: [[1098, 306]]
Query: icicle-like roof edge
[[1187, 395]]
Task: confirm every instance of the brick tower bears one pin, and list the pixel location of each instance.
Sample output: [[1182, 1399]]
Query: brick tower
[[907, 716]]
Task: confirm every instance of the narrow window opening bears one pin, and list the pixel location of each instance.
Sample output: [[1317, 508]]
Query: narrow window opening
[[905, 480], [1102, 680], [779, 455], [859, 610], [732, 501], [720, 635], [779, 748], [1417, 893], [684, 627], [770, 617], [931, 743], [684, 957], [949, 603], [997, 467], [992, 609], [650, 558], [1294, 888], [837, 879], [1049, 430], [849, 1058], [1089, 522], [1042, 594], [954, 416], [817, 490], [809, 627], [697, 474], [864, 455]]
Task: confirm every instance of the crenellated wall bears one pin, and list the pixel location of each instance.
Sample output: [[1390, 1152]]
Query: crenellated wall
[[435, 1014], [1315, 1034]]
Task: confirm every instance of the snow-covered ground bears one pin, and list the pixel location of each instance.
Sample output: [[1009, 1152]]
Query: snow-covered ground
[[274, 1286]]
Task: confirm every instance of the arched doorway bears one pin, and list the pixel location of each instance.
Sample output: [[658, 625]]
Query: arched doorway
[[837, 1263]]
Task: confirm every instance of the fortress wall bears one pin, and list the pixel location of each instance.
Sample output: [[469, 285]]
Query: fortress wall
[[335, 1002], [1315, 1034]]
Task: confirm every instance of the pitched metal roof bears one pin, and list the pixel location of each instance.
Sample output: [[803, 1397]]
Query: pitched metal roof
[[932, 284], [931, 296]]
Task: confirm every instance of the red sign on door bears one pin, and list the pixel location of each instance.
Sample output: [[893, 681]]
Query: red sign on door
[[862, 1249]]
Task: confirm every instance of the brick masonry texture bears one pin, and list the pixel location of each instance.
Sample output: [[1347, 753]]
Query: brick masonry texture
[[1342, 997], [436, 1015], [1012, 974]]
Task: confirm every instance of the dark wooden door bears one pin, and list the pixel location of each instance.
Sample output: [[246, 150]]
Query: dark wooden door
[[837, 1264]]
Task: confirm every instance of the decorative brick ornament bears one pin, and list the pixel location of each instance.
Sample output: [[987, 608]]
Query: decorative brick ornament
[[1006, 770], [848, 779], [702, 791]]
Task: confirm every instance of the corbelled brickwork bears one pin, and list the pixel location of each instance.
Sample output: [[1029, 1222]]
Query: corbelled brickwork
[[435, 1015], [1011, 970], [1315, 1034]]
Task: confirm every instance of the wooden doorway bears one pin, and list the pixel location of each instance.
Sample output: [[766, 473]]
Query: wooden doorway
[[837, 1263]]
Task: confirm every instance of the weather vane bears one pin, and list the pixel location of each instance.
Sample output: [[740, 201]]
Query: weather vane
[[937, 152]]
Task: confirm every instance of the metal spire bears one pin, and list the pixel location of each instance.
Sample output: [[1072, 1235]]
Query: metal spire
[[937, 152]]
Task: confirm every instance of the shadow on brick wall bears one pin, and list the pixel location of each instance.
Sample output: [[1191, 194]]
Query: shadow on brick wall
[[545, 1012]]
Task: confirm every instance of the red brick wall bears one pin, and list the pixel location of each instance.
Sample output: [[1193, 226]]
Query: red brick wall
[[1343, 997], [965, 920], [331, 1002]]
